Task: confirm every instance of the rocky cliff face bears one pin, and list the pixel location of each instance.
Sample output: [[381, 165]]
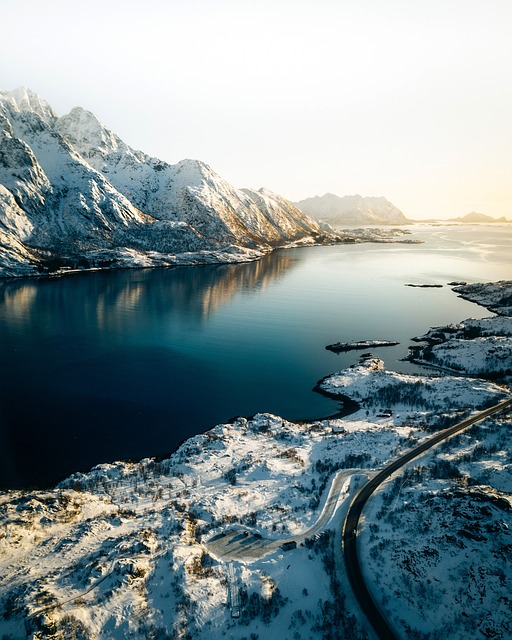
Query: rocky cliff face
[[72, 193], [352, 210]]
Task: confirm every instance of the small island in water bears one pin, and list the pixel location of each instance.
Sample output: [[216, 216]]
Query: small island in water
[[425, 286], [339, 347]]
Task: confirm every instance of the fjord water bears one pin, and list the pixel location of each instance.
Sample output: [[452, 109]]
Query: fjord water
[[97, 367]]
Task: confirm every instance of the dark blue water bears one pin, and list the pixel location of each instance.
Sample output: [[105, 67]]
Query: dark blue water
[[105, 366]]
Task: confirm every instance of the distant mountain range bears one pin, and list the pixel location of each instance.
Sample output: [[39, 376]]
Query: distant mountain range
[[478, 217], [74, 195], [352, 210], [362, 211]]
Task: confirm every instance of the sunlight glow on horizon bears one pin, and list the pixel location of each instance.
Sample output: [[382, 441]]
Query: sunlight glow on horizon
[[410, 101]]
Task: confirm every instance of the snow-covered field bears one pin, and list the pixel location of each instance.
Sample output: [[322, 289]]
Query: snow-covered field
[[138, 535], [139, 550]]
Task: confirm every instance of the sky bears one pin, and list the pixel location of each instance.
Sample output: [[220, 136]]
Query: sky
[[407, 99]]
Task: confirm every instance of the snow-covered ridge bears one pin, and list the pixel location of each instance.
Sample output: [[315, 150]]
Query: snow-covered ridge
[[74, 195], [23, 99]]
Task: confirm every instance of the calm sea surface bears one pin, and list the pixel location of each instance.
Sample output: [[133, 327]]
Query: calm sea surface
[[98, 367]]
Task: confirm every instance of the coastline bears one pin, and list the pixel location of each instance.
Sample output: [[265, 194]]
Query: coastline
[[126, 258], [116, 527]]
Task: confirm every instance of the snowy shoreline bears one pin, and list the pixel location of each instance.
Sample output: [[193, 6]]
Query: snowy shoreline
[[137, 535], [127, 258]]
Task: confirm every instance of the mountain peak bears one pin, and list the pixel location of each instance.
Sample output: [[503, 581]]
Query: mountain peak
[[85, 131], [352, 210], [475, 216], [194, 172], [25, 99], [82, 121], [83, 115]]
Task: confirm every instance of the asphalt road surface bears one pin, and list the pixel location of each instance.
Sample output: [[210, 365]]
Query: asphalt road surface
[[353, 567]]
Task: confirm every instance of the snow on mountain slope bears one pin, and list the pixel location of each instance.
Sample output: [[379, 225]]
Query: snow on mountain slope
[[23, 99], [72, 209], [189, 190], [133, 173], [15, 258], [352, 210], [89, 199], [282, 214]]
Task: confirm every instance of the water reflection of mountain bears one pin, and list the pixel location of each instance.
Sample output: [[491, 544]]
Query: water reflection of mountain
[[115, 300]]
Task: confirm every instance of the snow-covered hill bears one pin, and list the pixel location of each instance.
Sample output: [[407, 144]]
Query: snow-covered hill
[[215, 541], [73, 194], [131, 550], [435, 544], [352, 210]]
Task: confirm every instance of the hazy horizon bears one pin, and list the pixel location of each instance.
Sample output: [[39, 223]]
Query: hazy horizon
[[409, 101]]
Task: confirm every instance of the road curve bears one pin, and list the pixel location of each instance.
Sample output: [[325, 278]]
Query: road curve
[[242, 544], [370, 609]]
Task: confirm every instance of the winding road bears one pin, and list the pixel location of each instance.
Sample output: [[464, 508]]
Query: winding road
[[365, 599], [242, 544]]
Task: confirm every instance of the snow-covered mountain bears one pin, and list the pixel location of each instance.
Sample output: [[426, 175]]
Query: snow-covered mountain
[[352, 210], [73, 193]]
